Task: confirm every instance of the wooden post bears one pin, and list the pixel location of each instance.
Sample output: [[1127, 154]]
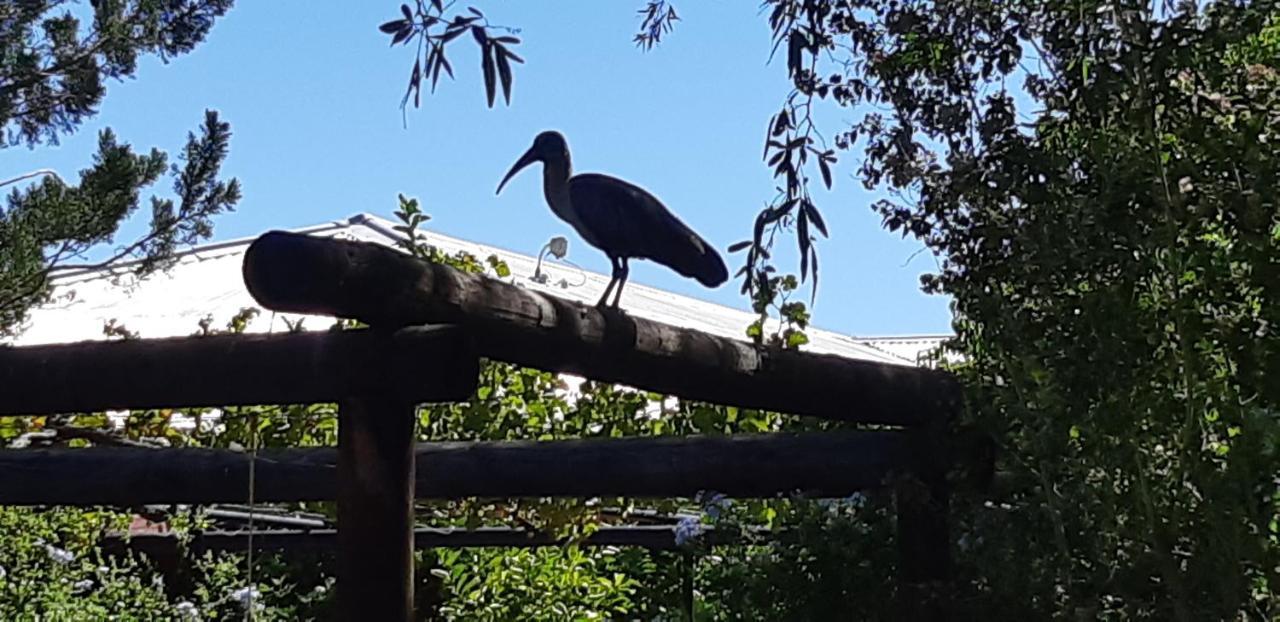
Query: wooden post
[[924, 536], [375, 508]]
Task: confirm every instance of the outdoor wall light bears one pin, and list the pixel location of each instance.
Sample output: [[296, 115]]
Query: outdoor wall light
[[557, 246]]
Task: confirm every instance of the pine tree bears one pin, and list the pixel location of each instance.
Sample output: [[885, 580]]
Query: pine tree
[[56, 58]]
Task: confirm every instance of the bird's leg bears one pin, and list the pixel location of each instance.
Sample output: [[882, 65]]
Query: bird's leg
[[622, 280], [616, 268]]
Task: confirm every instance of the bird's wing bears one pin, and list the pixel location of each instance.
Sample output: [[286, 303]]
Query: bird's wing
[[628, 221]]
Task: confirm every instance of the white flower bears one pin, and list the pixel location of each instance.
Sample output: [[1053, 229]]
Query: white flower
[[246, 596], [3, 573], [24, 441], [83, 585], [687, 529], [1185, 186], [187, 611], [62, 556]]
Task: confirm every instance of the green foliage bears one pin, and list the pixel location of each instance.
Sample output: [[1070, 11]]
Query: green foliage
[[835, 557], [53, 68], [1114, 275], [773, 293], [52, 74], [49, 224], [532, 584], [293, 590], [53, 570]]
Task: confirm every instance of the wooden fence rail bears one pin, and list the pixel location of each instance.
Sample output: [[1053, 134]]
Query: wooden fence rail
[[760, 465], [291, 272], [434, 364], [652, 537]]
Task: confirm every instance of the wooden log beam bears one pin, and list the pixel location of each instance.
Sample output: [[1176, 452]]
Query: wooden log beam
[[302, 274], [294, 541], [829, 464], [435, 364]]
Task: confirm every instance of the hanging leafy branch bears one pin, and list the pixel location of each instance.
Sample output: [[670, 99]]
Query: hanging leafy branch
[[659, 19], [428, 27], [794, 149]]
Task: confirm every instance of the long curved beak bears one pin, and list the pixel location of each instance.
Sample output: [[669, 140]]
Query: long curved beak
[[528, 158]]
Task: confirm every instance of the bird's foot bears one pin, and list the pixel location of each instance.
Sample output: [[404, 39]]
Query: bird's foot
[[604, 306]]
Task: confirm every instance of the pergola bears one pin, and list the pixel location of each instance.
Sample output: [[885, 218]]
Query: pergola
[[428, 327]]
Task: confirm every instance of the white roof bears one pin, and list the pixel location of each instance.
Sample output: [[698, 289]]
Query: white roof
[[206, 281], [919, 350]]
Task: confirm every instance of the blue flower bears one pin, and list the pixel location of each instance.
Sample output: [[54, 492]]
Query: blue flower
[[687, 529], [714, 504]]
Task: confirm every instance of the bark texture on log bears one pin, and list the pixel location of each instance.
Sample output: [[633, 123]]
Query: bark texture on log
[[383, 287]]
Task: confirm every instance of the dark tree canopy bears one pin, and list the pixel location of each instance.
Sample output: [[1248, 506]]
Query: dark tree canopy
[[54, 64]]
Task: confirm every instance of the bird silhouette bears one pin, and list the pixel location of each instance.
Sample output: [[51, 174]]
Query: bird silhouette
[[619, 218]]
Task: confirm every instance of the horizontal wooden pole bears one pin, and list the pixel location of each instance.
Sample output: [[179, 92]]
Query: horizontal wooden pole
[[763, 465], [654, 537], [432, 364], [383, 287]]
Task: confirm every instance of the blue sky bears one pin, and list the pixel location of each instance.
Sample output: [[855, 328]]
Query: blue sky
[[312, 92]]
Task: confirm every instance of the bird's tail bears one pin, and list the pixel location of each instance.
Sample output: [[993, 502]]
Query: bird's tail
[[700, 261]]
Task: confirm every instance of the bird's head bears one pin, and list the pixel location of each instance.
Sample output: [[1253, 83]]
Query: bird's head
[[549, 146]]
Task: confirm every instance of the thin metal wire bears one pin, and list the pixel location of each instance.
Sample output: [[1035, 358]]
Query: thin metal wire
[[253, 462]]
